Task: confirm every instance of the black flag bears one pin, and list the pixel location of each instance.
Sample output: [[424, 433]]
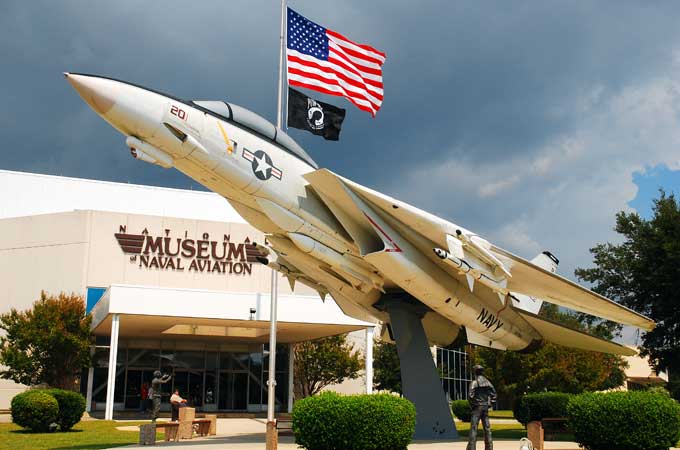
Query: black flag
[[316, 117]]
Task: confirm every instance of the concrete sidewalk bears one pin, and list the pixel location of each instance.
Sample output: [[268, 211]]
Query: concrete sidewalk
[[256, 442], [248, 434]]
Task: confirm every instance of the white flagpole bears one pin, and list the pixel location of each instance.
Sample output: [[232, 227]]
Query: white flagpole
[[282, 37], [272, 438]]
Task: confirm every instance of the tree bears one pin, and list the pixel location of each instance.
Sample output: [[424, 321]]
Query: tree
[[552, 367], [643, 273], [386, 365], [322, 362], [49, 344]]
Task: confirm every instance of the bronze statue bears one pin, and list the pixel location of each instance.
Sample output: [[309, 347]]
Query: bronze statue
[[480, 395], [158, 379]]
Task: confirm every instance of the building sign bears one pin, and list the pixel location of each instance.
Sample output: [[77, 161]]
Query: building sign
[[204, 255]]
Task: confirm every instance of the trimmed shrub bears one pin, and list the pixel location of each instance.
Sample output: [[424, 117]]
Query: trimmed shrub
[[71, 407], [624, 421], [35, 410], [330, 421], [540, 406], [462, 410]]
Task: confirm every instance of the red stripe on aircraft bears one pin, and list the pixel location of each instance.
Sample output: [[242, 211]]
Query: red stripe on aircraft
[[396, 248]]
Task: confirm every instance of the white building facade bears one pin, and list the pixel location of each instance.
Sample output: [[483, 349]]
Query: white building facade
[[172, 283]]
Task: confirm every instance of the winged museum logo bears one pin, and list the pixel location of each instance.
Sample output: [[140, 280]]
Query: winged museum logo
[[166, 252]]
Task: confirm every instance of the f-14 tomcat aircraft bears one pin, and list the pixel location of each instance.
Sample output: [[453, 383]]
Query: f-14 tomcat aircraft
[[347, 240], [428, 279]]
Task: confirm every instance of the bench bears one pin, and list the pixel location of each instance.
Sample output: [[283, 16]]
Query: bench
[[170, 430], [554, 426], [549, 427], [284, 427], [202, 426]]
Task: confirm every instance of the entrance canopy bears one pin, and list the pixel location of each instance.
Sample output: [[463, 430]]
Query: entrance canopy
[[153, 312]]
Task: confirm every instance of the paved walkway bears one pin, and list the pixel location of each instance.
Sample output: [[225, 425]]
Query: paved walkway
[[248, 434]]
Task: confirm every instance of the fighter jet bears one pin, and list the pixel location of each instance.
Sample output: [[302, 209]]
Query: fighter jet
[[428, 280], [347, 240]]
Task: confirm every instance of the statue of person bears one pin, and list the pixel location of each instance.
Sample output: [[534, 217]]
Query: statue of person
[[158, 379], [480, 395]]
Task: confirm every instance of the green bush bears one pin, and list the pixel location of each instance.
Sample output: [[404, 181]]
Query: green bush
[[624, 421], [71, 407], [541, 405], [462, 410], [330, 421], [35, 410]]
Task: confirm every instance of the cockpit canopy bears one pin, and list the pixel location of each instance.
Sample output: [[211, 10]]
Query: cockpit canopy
[[255, 123]]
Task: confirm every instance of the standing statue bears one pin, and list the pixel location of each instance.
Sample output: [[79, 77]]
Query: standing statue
[[158, 379], [480, 396]]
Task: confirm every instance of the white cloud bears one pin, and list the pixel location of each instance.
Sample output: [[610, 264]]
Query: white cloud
[[563, 195]]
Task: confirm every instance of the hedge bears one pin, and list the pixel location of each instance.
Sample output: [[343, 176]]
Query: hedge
[[71, 407], [462, 410], [542, 405], [35, 410], [624, 421], [330, 421]]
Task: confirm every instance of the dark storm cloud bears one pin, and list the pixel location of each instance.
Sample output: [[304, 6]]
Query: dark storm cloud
[[502, 116]]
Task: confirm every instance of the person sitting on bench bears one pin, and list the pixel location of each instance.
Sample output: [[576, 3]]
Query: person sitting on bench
[[176, 402]]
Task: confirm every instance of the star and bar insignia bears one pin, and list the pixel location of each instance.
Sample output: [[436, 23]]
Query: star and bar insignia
[[262, 165]]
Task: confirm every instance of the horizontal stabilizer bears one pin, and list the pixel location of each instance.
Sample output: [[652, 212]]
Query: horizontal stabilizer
[[562, 335], [534, 281], [479, 339]]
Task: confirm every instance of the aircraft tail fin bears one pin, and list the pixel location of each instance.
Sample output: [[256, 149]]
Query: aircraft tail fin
[[568, 337], [544, 260]]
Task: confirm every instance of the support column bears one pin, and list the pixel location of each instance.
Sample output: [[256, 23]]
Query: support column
[[369, 360], [419, 377], [113, 358], [90, 381], [291, 374]]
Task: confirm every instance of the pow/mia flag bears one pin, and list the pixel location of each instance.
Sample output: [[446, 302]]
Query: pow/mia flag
[[316, 117]]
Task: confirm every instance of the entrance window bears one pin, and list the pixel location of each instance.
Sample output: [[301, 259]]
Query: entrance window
[[454, 372], [143, 358], [101, 373], [209, 380]]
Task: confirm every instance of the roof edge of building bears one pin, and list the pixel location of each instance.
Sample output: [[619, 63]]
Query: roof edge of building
[[114, 183]]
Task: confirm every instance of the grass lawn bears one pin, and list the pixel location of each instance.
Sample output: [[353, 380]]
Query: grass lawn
[[502, 431], [502, 414], [95, 434]]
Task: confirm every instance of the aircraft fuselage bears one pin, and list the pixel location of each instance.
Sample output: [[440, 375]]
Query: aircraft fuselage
[[264, 181]]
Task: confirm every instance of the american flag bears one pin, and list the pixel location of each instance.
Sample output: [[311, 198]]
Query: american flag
[[328, 62]]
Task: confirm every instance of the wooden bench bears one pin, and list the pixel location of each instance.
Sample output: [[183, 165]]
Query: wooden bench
[[554, 426], [202, 426], [170, 430], [536, 431], [284, 427]]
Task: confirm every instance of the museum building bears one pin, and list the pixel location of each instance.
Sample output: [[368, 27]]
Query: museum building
[[171, 282]]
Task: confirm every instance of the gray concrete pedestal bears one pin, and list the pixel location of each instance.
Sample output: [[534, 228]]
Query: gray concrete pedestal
[[419, 377]]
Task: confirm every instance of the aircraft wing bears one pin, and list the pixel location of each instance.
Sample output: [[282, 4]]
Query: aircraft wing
[[535, 281], [568, 337], [526, 278]]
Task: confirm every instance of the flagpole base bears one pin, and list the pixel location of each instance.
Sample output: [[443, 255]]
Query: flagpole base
[[272, 435]]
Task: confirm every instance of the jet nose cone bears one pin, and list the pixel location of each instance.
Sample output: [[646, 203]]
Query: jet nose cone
[[95, 91]]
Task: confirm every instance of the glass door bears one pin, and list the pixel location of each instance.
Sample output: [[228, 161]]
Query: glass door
[[190, 386], [233, 393], [133, 390]]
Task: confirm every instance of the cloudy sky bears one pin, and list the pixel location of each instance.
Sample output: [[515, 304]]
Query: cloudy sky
[[531, 123]]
